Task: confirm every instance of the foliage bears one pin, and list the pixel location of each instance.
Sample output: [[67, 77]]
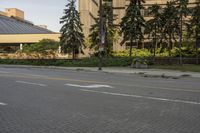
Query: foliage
[[194, 27], [145, 53], [170, 25], [6, 49], [42, 46], [86, 62], [135, 52], [154, 26], [182, 13], [72, 38], [133, 23]]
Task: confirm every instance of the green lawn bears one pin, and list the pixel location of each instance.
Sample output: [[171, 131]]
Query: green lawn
[[190, 68]]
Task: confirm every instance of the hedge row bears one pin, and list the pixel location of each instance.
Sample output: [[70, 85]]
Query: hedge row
[[87, 62]]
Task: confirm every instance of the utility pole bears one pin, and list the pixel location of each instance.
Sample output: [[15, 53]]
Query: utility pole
[[101, 34]]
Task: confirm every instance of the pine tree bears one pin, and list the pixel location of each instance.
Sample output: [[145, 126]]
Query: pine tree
[[195, 28], [111, 30], [182, 13], [170, 25], [154, 26], [132, 24], [72, 38]]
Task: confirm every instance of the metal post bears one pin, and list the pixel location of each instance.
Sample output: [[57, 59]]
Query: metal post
[[100, 34]]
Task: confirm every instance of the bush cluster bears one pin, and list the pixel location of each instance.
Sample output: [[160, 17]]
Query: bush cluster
[[43, 46], [86, 62], [186, 52]]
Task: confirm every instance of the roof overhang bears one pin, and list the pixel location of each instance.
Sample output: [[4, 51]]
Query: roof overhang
[[26, 38]]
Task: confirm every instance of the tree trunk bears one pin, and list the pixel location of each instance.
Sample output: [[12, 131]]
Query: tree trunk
[[73, 54], [196, 47], [197, 54], [169, 49], [169, 46], [131, 48], [155, 44]]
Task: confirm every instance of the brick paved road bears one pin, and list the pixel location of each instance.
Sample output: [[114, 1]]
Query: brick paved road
[[63, 101]]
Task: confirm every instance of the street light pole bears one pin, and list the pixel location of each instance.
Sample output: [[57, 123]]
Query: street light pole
[[101, 34]]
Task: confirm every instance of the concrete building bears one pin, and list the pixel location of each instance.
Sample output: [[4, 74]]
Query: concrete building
[[89, 10], [16, 31]]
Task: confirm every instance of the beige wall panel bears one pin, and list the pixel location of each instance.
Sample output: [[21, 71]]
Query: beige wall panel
[[15, 12], [27, 38], [119, 3], [86, 21], [120, 14], [84, 5]]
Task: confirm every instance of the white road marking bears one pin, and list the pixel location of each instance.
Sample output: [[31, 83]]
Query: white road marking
[[4, 72], [34, 75], [23, 82], [142, 97], [90, 86], [3, 104]]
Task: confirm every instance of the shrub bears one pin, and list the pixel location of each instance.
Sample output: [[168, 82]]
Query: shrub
[[160, 52], [136, 53], [43, 46]]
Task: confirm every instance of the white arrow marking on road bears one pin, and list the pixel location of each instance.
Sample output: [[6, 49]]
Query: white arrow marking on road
[[3, 104], [143, 97], [90, 86], [23, 82]]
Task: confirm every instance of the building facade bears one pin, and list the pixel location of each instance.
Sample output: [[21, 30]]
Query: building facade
[[89, 10], [16, 31]]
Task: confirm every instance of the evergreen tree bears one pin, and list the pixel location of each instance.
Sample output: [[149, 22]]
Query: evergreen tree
[[182, 13], [154, 26], [170, 25], [111, 30], [72, 38], [194, 28], [132, 24]]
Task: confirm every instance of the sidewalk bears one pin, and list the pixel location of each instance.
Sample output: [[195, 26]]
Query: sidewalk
[[126, 70], [150, 72]]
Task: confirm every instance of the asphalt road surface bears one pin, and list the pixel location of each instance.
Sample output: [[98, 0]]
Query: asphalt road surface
[[66, 101]]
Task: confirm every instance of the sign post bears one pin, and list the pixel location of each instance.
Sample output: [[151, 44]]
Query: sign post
[[101, 35]]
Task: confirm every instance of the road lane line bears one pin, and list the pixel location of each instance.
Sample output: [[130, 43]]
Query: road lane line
[[89, 86], [30, 83], [4, 72], [142, 97], [3, 104]]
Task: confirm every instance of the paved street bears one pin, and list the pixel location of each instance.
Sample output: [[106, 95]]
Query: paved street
[[39, 100]]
